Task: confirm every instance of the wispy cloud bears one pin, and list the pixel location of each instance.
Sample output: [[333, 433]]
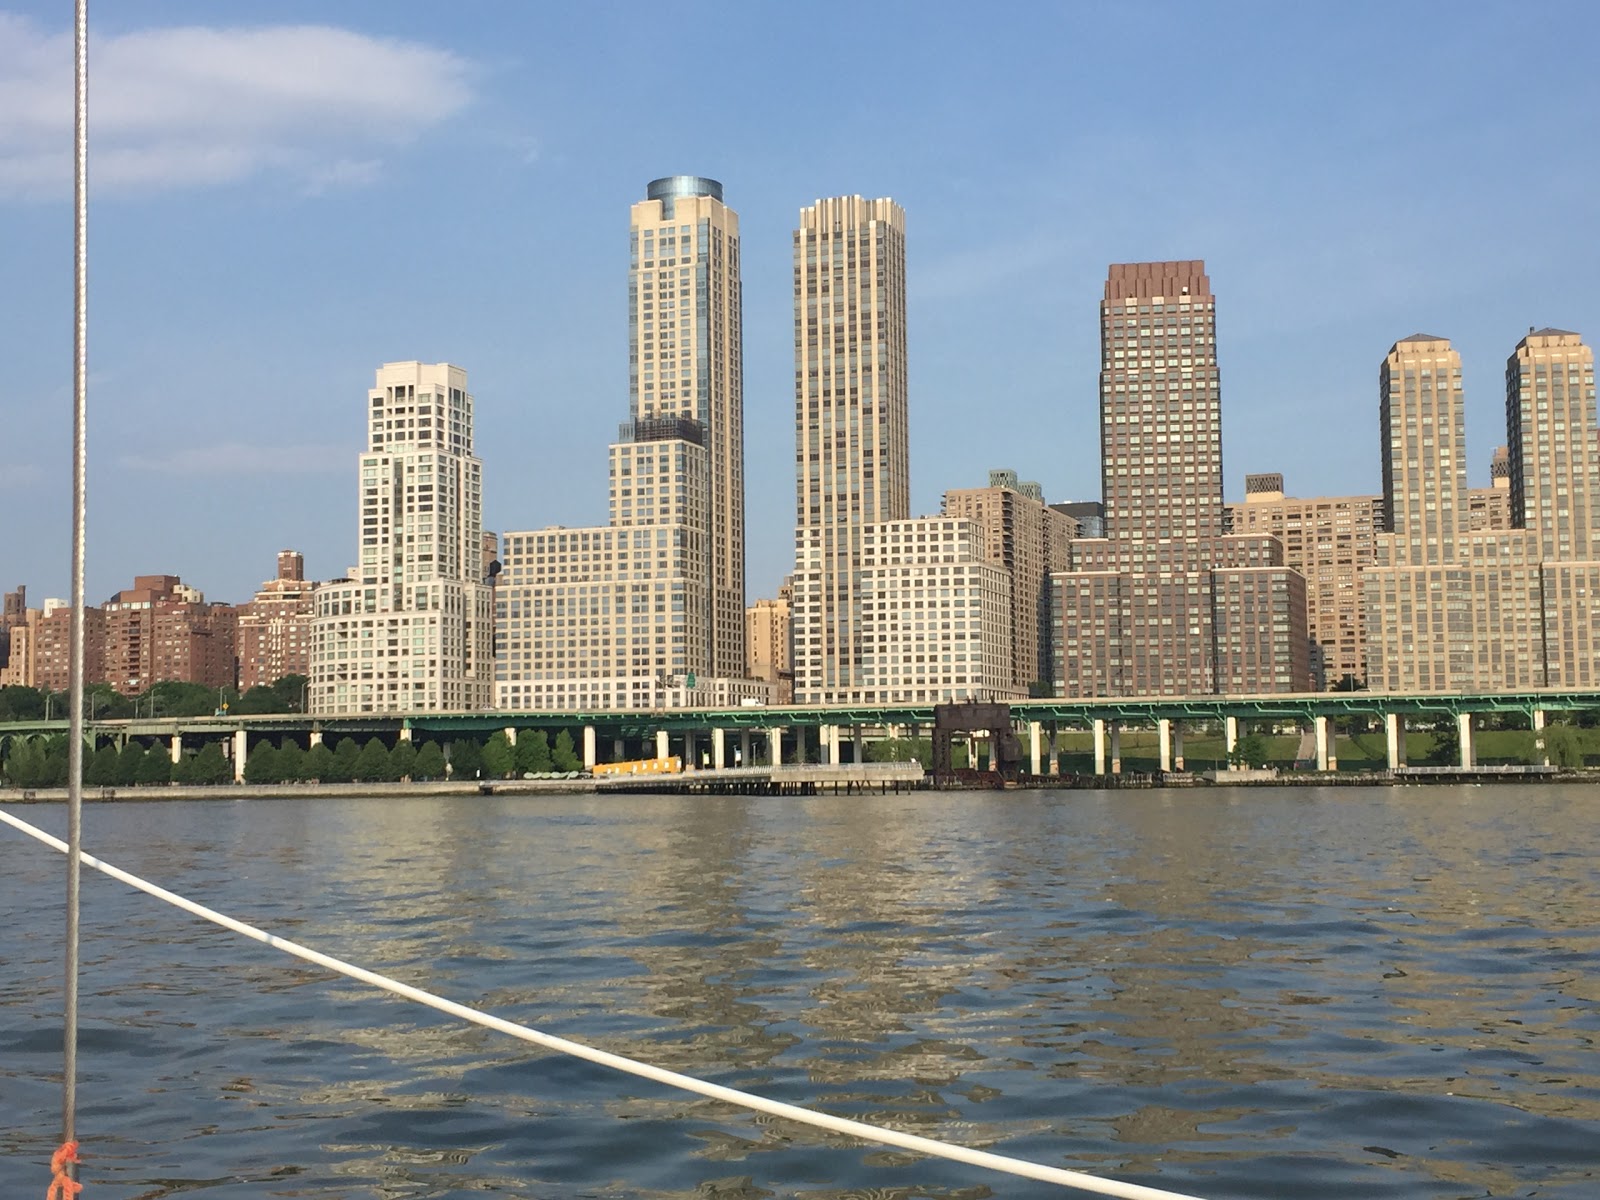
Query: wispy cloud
[[236, 458], [197, 106]]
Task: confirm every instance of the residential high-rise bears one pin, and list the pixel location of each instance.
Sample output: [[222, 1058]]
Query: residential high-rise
[[275, 627], [1328, 540], [1167, 603], [1448, 607], [1031, 540], [852, 447], [410, 628], [686, 362], [1554, 472], [767, 622]]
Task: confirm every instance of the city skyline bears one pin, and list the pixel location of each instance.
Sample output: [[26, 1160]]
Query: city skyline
[[276, 235]]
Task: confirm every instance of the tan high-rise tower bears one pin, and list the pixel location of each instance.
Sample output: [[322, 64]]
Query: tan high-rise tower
[[1553, 457], [852, 448], [686, 360]]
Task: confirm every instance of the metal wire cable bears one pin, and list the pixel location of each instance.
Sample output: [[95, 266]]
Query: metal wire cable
[[80, 388], [688, 1083]]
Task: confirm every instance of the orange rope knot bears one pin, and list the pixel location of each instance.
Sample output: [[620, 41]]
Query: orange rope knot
[[62, 1185]]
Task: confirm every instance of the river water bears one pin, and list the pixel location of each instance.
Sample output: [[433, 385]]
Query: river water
[[1307, 993]]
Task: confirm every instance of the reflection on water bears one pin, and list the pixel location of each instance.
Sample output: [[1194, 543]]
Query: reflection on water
[[1288, 992]]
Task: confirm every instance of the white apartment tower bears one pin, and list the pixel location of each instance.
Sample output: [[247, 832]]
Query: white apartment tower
[[686, 362], [852, 451], [410, 628]]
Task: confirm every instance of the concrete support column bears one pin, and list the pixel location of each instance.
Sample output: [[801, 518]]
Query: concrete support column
[[1036, 748], [719, 748], [240, 748], [663, 743], [1541, 752], [1116, 748], [1464, 732], [775, 744], [800, 743], [1099, 746], [1230, 734], [1326, 761], [589, 749], [1055, 750], [1177, 745], [1164, 734], [1394, 732], [744, 747], [511, 734], [619, 750], [691, 751], [858, 746], [177, 747], [316, 738], [405, 732], [830, 738]]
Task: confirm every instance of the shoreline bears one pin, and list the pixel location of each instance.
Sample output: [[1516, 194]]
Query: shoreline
[[1128, 781]]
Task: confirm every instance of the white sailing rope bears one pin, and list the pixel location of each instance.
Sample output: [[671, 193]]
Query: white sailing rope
[[688, 1083]]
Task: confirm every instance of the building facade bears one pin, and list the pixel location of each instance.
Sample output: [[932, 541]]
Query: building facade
[[686, 362], [935, 615], [1329, 540], [852, 442], [275, 627], [1448, 607], [1031, 540], [767, 638], [1167, 602], [648, 610], [410, 629]]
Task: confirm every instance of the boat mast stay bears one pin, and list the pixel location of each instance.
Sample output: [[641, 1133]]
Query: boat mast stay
[[66, 1158]]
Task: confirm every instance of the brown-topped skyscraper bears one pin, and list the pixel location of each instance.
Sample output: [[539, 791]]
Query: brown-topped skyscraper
[[1167, 603]]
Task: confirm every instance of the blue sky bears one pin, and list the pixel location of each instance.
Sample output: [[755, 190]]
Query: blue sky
[[287, 194]]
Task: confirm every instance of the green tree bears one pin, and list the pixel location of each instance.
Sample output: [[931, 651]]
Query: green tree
[[259, 699], [345, 756], [499, 759], [172, 698], [430, 762], [1446, 748], [562, 755], [318, 764], [291, 693], [1249, 751], [19, 703], [100, 768], [466, 759], [402, 760], [25, 764], [211, 766], [291, 762], [1564, 746], [155, 767], [128, 763], [533, 753], [372, 763], [262, 765], [183, 769]]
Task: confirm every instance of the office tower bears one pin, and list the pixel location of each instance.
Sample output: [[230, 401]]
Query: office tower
[[1329, 541], [686, 362], [1031, 540], [1167, 603], [409, 629], [852, 451], [1553, 468], [275, 627], [1448, 608]]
